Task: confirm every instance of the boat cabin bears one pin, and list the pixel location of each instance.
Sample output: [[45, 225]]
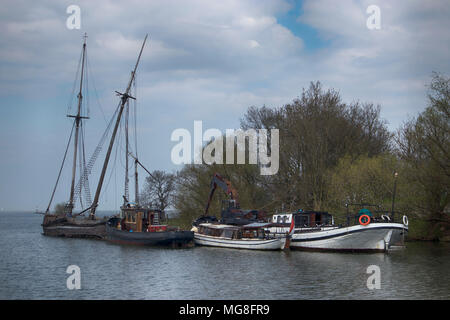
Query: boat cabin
[[304, 219], [138, 219], [231, 214], [250, 231]]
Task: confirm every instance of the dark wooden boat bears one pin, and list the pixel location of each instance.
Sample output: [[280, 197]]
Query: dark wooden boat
[[136, 224], [72, 227], [142, 226], [68, 224]]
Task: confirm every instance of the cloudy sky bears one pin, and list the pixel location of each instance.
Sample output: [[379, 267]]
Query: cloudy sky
[[205, 60]]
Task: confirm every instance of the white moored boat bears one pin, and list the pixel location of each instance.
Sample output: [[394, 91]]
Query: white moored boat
[[316, 231], [254, 236]]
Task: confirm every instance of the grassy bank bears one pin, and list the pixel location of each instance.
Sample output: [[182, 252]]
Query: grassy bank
[[426, 230]]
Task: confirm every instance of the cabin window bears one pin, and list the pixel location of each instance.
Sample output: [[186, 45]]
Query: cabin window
[[227, 234], [279, 219], [327, 219], [301, 221], [318, 219]]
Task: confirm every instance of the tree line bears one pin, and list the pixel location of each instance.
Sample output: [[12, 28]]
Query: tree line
[[333, 153]]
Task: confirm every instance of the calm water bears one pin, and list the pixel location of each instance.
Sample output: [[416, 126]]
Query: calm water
[[34, 267]]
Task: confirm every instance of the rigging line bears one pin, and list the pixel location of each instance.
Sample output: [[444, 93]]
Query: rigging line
[[97, 150], [113, 170], [84, 185], [86, 89], [127, 113], [60, 170], [80, 165], [120, 143], [69, 103], [95, 91], [135, 116], [117, 147], [115, 185], [86, 179]]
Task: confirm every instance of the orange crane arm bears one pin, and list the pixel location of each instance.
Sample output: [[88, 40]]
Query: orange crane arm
[[225, 185]]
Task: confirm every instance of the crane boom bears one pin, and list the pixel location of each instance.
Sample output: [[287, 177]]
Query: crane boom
[[225, 185]]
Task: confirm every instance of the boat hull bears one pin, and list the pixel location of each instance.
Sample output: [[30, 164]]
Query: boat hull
[[55, 226], [250, 244], [376, 237], [162, 238]]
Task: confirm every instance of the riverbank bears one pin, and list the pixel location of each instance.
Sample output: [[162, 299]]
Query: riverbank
[[35, 267], [428, 230], [419, 229]]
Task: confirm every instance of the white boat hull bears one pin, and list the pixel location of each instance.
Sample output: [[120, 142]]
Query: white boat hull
[[250, 244], [375, 237]]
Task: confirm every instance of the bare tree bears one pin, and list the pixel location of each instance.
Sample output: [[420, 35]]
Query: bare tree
[[158, 190]]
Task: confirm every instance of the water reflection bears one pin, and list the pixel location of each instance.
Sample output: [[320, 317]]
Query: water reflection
[[34, 267]]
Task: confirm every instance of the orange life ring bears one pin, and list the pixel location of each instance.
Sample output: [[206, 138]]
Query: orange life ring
[[367, 220]]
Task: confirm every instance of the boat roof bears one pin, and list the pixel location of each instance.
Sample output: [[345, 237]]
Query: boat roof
[[253, 225], [257, 225], [218, 226]]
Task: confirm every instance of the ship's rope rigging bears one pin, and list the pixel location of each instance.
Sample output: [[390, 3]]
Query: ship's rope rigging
[[75, 81], [79, 157], [83, 180], [88, 168], [120, 148], [84, 168], [60, 169]]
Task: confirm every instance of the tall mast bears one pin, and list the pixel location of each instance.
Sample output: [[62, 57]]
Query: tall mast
[[124, 99], [78, 118], [136, 185], [127, 113]]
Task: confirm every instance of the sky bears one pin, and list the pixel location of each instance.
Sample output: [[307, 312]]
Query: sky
[[204, 60]]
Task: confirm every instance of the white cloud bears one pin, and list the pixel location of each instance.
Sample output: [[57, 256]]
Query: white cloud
[[207, 60], [390, 66]]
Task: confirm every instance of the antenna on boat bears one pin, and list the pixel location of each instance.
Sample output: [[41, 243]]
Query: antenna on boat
[[393, 195], [124, 98]]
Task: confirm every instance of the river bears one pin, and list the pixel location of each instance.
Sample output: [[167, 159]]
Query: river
[[33, 266]]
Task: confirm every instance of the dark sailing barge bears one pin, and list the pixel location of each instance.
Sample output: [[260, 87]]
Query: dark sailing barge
[[67, 223], [142, 226], [71, 227], [136, 224]]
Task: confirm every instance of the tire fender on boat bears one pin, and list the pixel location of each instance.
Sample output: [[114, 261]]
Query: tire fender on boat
[[364, 223], [405, 220], [385, 217]]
